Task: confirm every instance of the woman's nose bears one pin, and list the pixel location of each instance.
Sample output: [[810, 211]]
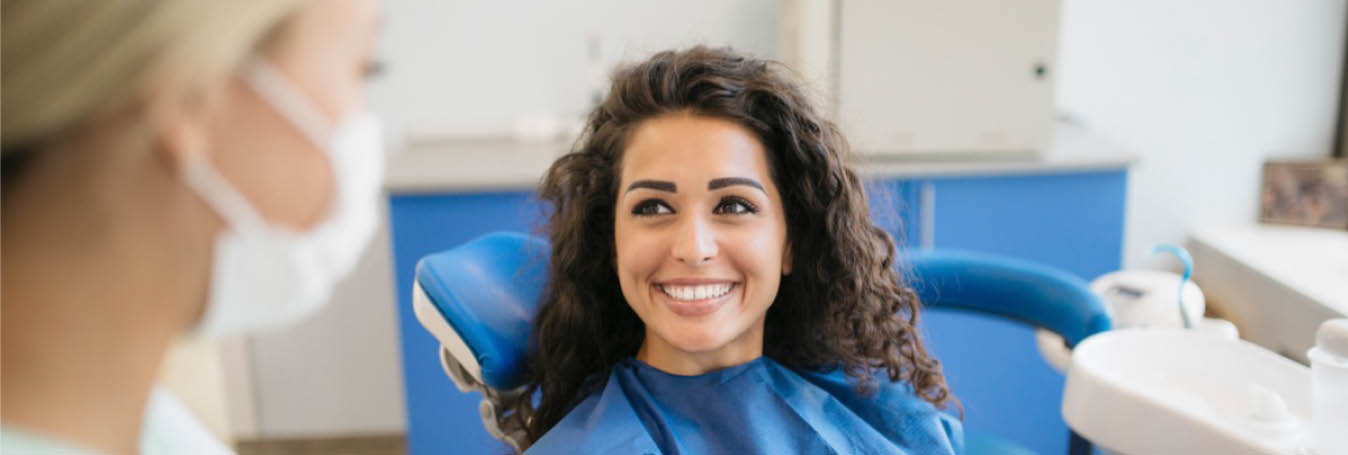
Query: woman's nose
[[695, 243]]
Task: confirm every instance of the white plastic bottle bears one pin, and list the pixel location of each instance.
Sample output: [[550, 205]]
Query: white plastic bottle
[[1329, 388]]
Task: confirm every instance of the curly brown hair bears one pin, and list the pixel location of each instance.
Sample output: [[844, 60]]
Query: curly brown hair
[[843, 306]]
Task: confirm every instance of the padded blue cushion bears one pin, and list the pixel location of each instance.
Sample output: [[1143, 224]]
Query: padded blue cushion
[[488, 290], [1032, 293]]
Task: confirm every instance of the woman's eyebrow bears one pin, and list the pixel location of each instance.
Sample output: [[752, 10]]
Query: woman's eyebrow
[[658, 185], [716, 184]]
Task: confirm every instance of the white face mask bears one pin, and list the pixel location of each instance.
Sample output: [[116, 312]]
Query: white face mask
[[267, 275]]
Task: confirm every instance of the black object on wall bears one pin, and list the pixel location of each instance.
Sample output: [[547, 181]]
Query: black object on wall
[[1341, 126]]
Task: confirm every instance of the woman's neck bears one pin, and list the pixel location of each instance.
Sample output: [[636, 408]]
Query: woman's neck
[[96, 284], [668, 358]]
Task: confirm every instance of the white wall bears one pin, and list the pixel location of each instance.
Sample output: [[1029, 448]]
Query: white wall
[[469, 67], [1204, 91], [461, 68]]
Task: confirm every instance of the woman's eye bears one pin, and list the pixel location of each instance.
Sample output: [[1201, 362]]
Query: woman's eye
[[735, 206], [651, 208]]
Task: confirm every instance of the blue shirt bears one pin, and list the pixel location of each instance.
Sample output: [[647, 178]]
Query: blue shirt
[[758, 407]]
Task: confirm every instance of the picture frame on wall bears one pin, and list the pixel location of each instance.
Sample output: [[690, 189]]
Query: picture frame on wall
[[1305, 193]]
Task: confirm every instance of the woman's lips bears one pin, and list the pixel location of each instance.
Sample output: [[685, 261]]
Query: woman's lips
[[695, 298]]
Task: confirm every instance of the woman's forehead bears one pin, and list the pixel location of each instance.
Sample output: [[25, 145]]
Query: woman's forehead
[[685, 146]]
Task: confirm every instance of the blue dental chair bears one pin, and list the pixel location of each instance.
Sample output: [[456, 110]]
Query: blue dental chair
[[479, 299]]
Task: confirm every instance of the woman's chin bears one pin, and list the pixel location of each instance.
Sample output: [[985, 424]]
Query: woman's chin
[[699, 345], [698, 338]]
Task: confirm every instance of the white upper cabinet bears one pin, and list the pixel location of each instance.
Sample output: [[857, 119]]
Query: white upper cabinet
[[930, 77]]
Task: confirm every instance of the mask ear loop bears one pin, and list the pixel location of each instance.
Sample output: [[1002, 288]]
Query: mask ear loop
[[264, 79], [200, 175], [1188, 261], [268, 82], [197, 171]]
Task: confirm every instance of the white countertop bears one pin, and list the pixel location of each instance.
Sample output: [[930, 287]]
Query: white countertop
[[1276, 283], [496, 164], [1310, 261]]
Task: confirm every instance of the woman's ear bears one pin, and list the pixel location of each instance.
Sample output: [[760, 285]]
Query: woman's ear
[[786, 259]]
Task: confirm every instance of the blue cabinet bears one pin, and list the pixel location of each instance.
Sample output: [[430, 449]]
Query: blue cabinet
[[440, 419], [1069, 220]]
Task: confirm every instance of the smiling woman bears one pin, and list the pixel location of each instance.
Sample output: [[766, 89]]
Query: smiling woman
[[717, 284], [701, 241]]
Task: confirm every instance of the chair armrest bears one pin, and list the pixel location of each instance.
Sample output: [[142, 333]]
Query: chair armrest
[[1033, 293]]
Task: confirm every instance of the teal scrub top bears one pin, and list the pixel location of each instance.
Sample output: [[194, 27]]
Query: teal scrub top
[[19, 442]]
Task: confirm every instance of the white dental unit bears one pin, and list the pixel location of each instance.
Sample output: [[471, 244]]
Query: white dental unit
[[1154, 386]]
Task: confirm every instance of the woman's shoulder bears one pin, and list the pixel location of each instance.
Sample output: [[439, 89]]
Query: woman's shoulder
[[844, 387], [893, 408], [604, 422]]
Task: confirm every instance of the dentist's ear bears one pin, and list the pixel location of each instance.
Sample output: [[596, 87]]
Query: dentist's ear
[[179, 122]]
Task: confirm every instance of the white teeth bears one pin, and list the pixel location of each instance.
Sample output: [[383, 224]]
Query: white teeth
[[702, 292]]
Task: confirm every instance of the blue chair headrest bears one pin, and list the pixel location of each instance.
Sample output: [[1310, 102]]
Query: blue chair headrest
[[1022, 290], [488, 291]]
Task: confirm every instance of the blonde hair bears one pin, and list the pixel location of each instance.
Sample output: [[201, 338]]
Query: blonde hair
[[68, 62]]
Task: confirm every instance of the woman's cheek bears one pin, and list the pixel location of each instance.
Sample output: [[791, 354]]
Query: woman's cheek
[[638, 253], [765, 244], [638, 259]]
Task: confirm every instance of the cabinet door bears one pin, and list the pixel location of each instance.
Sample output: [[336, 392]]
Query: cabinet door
[[440, 419], [1071, 221], [946, 76]]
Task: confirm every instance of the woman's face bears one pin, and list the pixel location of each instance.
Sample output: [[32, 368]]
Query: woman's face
[[700, 237], [325, 52]]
